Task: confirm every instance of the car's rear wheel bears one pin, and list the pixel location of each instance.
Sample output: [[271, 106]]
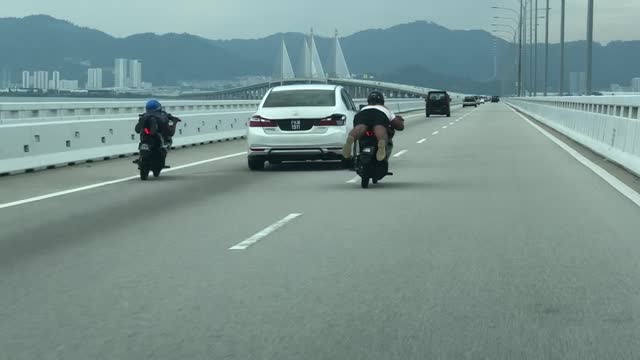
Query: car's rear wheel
[[428, 115], [448, 114], [255, 164]]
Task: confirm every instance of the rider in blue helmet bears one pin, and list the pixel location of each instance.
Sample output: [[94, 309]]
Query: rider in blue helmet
[[155, 117], [153, 105]]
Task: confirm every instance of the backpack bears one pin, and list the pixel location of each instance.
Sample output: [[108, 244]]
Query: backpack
[[156, 122]]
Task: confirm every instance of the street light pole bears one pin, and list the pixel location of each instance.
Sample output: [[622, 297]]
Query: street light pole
[[535, 56], [590, 49], [521, 28], [562, 13], [546, 50], [531, 47], [523, 33]]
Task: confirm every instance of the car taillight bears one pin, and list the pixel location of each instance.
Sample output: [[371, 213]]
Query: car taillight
[[259, 121], [333, 120], [147, 131]]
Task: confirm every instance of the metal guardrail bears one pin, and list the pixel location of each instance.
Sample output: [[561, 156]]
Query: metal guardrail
[[610, 126], [35, 136]]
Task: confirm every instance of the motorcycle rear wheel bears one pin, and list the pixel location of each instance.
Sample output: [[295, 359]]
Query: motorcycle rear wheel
[[144, 173], [364, 182]]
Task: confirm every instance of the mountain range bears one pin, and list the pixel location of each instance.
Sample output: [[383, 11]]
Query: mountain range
[[420, 53]]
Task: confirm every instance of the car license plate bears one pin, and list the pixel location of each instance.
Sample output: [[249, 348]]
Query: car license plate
[[296, 124]]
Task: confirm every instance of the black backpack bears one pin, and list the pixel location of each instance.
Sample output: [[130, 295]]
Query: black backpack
[[153, 121]]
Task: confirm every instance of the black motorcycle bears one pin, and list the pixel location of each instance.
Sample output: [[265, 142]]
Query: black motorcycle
[[153, 153], [366, 164]]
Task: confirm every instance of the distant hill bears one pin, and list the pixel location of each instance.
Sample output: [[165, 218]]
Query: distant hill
[[421, 53], [42, 42]]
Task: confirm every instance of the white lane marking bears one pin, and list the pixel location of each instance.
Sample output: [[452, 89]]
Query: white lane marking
[[623, 188], [111, 182], [436, 133], [444, 127], [450, 123], [264, 233], [400, 153], [354, 180], [457, 120], [421, 141]]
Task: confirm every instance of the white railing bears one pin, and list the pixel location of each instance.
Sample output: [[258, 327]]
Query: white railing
[[12, 113], [610, 126], [34, 136]]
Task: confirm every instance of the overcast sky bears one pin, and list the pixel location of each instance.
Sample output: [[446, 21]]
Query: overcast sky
[[224, 19]]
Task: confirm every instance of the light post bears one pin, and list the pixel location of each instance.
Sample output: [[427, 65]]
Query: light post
[[562, 15], [590, 49], [520, 39], [546, 51]]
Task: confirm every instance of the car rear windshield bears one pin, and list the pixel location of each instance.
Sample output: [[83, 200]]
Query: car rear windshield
[[470, 98], [437, 96], [300, 98]]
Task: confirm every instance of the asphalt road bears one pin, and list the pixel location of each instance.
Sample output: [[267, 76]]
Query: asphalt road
[[490, 242]]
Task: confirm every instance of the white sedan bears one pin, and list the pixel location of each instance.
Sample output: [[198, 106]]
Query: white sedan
[[300, 122]]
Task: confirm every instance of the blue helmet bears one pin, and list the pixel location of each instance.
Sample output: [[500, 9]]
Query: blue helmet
[[153, 105]]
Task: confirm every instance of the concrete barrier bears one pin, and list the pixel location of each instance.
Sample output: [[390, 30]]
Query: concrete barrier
[[610, 126], [35, 136]]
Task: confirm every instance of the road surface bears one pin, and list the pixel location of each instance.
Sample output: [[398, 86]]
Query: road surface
[[490, 242]]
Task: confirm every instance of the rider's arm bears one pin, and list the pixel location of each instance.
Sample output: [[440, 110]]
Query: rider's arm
[[398, 123], [173, 118], [138, 127]]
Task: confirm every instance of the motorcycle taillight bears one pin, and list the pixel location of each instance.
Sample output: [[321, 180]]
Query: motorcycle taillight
[[147, 131], [369, 133]]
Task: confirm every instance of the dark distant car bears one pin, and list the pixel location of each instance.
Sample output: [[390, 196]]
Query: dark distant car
[[495, 99], [438, 102], [470, 101]]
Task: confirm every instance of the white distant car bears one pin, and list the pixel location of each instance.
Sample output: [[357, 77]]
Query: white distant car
[[300, 122], [470, 101]]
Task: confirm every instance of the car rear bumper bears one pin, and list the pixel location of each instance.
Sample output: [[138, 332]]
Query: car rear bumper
[[441, 111], [293, 147]]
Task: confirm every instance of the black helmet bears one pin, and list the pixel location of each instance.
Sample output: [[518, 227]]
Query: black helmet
[[375, 98]]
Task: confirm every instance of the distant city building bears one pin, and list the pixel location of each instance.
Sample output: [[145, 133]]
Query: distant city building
[[146, 85], [26, 80], [635, 84], [94, 79], [55, 81], [135, 74], [68, 85], [120, 73], [6, 78], [578, 83], [128, 74], [41, 80], [616, 88]]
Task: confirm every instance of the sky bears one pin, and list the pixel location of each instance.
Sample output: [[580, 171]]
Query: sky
[[226, 19]]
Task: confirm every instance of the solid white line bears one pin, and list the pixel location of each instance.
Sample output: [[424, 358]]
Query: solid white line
[[436, 133], [107, 183], [354, 180], [623, 188], [421, 141], [400, 153], [264, 233]]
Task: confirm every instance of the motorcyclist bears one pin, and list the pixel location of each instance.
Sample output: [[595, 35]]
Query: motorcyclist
[[377, 116], [159, 120]]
